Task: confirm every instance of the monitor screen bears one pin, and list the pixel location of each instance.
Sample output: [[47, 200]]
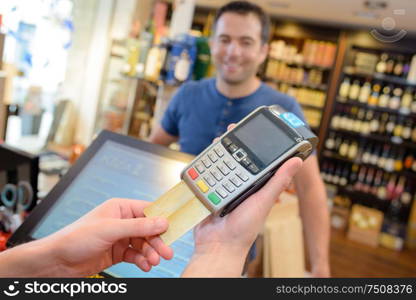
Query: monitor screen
[[264, 139], [117, 170]]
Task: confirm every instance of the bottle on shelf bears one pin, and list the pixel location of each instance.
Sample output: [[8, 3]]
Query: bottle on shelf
[[394, 102], [354, 90], [398, 67], [389, 65], [413, 105], [406, 101], [384, 98], [381, 65], [390, 125], [365, 92], [373, 99], [344, 89]]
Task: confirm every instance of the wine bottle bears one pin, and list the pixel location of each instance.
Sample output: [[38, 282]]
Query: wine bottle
[[353, 150], [394, 102], [358, 186], [408, 161], [365, 128], [383, 123], [406, 196], [337, 174], [390, 125], [407, 129], [407, 100], [389, 166], [375, 155], [335, 120], [381, 65], [330, 141], [383, 158], [414, 135], [368, 181], [365, 92], [398, 67], [343, 181], [384, 98], [377, 182], [413, 105], [354, 90], [391, 186], [343, 149], [398, 163], [358, 126], [353, 174], [344, 89], [373, 99], [398, 128], [367, 154], [382, 189], [375, 123], [389, 65]]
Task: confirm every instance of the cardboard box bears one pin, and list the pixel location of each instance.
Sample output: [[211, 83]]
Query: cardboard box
[[365, 225]]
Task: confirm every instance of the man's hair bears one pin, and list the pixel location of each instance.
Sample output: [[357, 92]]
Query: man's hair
[[245, 8]]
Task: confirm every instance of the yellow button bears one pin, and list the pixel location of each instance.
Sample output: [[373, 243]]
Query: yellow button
[[202, 186]]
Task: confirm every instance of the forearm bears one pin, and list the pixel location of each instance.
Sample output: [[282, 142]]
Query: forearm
[[34, 259], [216, 263], [315, 217]]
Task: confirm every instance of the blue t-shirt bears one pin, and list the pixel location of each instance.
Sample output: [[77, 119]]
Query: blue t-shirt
[[198, 112]]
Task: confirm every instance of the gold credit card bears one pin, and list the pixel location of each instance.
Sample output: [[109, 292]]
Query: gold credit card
[[182, 209]]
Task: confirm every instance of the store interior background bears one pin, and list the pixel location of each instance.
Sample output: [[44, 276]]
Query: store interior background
[[70, 68]]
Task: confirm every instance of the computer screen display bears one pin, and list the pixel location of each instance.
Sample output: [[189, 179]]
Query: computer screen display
[[117, 170]]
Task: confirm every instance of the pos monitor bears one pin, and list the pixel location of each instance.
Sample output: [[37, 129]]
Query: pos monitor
[[113, 166]]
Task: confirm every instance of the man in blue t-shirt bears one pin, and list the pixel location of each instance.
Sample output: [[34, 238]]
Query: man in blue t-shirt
[[201, 111]]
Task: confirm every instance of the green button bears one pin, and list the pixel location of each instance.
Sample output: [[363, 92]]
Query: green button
[[214, 198]]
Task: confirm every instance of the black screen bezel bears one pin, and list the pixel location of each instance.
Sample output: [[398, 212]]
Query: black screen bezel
[[279, 123]]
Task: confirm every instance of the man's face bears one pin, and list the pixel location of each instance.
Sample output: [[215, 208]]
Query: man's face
[[236, 47]]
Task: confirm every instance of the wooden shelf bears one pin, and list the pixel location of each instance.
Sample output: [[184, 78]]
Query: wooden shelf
[[381, 77], [378, 138], [401, 112], [301, 65], [322, 87]]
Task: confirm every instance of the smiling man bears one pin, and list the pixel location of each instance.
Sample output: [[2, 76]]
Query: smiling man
[[201, 111]]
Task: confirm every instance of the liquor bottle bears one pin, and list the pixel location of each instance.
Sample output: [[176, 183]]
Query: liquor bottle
[[390, 125], [330, 141], [365, 128], [365, 92], [407, 100], [365, 158], [406, 196], [382, 189], [353, 174], [408, 161], [377, 182], [353, 150], [391, 187], [358, 123], [394, 102], [398, 128], [381, 65], [343, 120], [375, 123], [384, 155], [413, 105], [337, 174], [373, 99], [349, 122], [383, 123], [398, 67], [343, 149], [330, 173], [338, 142], [384, 98], [398, 163], [399, 189], [368, 181], [344, 89], [389, 65], [343, 181], [389, 166], [414, 135], [375, 155], [335, 120], [354, 90], [358, 186], [411, 76]]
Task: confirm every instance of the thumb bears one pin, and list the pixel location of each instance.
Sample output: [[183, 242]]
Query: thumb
[[116, 229], [278, 183]]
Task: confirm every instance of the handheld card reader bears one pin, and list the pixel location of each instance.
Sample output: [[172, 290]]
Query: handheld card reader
[[245, 158]]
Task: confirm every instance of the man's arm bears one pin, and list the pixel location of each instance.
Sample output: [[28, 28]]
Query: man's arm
[[161, 137], [314, 212]]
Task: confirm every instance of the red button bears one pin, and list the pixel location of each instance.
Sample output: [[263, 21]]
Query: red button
[[192, 173]]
